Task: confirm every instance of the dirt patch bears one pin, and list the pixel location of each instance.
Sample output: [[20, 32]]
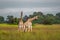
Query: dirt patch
[[16, 28]]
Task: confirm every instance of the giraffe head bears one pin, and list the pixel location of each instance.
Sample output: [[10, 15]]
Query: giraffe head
[[36, 17]]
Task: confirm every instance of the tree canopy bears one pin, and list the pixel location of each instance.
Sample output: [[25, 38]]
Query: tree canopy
[[42, 19]]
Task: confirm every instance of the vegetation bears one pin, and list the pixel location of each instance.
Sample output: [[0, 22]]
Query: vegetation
[[42, 19], [12, 20], [8, 31], [40, 32], [1, 19]]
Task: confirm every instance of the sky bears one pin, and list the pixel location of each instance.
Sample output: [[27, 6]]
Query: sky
[[14, 7]]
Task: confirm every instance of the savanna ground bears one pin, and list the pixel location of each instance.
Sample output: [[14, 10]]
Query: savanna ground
[[40, 32]]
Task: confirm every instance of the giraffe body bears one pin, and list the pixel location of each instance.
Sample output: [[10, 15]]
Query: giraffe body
[[28, 24], [20, 25]]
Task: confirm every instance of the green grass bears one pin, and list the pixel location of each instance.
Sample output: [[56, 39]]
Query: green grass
[[7, 25], [40, 32]]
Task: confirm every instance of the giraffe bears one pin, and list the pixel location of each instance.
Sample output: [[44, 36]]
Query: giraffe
[[28, 24], [20, 25]]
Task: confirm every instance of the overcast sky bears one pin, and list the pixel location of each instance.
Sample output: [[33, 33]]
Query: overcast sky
[[14, 7]]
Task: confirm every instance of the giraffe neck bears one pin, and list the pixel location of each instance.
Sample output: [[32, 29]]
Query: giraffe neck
[[21, 20], [31, 19], [21, 17]]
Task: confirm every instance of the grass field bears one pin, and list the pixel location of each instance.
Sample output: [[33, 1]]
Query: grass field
[[40, 32]]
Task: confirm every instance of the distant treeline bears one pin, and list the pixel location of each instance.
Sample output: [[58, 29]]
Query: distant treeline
[[42, 19]]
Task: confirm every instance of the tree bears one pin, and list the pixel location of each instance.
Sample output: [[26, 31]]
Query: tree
[[57, 20], [49, 19], [58, 14], [1, 19], [40, 17], [37, 14], [15, 20], [30, 16], [10, 19]]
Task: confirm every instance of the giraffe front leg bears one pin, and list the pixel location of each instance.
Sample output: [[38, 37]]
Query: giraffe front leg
[[31, 28], [18, 28], [24, 29], [28, 29]]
